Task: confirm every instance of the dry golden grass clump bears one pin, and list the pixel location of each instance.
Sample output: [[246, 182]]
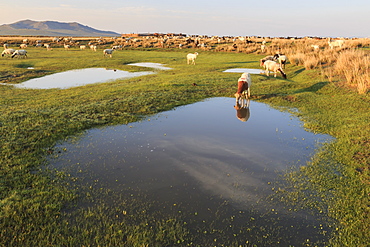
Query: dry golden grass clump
[[354, 65], [348, 64]]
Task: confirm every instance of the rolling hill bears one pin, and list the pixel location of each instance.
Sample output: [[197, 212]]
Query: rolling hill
[[51, 28]]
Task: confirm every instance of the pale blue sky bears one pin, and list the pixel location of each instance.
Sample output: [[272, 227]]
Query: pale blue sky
[[335, 18]]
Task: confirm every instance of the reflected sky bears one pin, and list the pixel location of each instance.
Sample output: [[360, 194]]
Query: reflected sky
[[151, 65], [204, 144], [243, 70], [199, 157], [79, 77], [82, 77]]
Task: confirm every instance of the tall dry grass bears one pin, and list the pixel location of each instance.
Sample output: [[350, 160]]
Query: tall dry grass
[[348, 65], [354, 65]]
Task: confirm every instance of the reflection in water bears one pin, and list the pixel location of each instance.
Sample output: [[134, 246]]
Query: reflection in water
[[79, 77], [243, 70], [242, 111], [151, 65], [199, 154]]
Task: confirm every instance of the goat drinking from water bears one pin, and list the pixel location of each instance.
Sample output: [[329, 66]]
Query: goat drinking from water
[[244, 89]]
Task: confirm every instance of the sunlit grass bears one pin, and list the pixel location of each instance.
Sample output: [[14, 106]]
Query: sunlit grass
[[38, 206]]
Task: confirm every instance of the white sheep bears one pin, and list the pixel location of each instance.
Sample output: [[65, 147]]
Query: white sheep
[[191, 57], [274, 67], [281, 59], [117, 47], [263, 48], [108, 52], [20, 53], [93, 47], [335, 43], [82, 47], [315, 47], [66, 47], [23, 46], [48, 47], [7, 52], [265, 59]]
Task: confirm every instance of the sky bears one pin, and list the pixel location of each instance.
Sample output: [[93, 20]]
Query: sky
[[271, 18]]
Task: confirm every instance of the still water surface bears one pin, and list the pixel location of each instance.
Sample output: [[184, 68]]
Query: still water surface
[[243, 70], [82, 77], [200, 154]]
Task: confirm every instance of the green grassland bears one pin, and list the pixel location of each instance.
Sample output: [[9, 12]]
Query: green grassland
[[40, 208]]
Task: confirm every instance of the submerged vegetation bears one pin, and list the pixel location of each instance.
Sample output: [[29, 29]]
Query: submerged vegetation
[[43, 208]]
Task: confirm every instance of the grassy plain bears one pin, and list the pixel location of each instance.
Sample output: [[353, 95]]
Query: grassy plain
[[38, 208]]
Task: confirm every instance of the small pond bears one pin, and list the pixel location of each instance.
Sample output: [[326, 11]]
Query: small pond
[[151, 65], [81, 77], [200, 156], [243, 70]]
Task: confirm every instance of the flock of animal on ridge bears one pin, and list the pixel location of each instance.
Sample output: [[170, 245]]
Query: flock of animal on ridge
[[22, 53]]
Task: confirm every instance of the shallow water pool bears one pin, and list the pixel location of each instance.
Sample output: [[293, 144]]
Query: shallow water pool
[[79, 77], [243, 70], [199, 157]]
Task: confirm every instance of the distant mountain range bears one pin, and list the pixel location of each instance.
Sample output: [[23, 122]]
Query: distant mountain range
[[51, 28]]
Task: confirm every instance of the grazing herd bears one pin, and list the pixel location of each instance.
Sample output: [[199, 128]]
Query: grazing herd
[[22, 53], [275, 63]]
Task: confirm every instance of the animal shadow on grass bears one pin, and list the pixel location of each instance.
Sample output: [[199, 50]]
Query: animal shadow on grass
[[23, 65], [314, 88], [295, 73], [246, 62]]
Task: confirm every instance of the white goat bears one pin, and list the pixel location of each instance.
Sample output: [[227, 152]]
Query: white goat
[[274, 67], [108, 52], [7, 52], [20, 53], [335, 43], [281, 59], [191, 57], [23, 46]]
